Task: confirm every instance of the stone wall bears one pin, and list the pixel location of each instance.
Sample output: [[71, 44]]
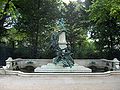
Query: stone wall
[[39, 62]]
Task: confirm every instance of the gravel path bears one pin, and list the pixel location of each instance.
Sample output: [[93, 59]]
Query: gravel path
[[59, 83]]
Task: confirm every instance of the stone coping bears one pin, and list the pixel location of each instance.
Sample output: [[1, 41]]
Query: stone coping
[[19, 73]]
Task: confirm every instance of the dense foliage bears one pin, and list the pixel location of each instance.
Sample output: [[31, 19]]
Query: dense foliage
[[37, 19], [93, 27], [105, 29]]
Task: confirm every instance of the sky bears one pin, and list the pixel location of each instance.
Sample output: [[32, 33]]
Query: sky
[[67, 1]]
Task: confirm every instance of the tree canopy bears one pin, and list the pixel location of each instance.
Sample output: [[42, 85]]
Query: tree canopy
[[105, 16], [93, 27]]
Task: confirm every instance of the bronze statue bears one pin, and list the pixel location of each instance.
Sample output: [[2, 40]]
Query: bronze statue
[[62, 48]]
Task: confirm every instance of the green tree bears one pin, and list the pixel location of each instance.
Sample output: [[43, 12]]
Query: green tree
[[77, 23], [105, 29], [37, 19], [8, 15]]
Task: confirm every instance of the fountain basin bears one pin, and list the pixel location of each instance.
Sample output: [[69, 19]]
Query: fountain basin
[[50, 67]]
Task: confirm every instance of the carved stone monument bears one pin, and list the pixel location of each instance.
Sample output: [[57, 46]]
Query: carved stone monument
[[62, 47], [63, 62]]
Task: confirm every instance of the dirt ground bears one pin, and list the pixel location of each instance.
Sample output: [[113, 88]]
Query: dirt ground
[[59, 83]]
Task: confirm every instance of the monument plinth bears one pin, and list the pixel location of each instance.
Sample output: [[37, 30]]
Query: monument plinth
[[62, 41], [50, 67]]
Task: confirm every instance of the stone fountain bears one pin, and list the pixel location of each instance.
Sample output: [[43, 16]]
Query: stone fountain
[[63, 62]]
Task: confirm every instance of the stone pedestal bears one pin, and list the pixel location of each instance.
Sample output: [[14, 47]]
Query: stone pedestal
[[116, 64], [2, 71], [9, 65], [50, 67]]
